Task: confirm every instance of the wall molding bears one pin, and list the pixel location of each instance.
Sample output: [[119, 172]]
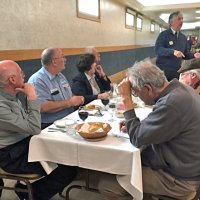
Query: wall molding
[[30, 54]]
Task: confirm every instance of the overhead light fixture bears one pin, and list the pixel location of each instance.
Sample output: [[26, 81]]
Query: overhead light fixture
[[190, 25], [197, 17], [197, 11], [165, 17], [158, 2]]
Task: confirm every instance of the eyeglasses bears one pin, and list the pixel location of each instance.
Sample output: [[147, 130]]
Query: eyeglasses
[[135, 93], [62, 57], [22, 73]]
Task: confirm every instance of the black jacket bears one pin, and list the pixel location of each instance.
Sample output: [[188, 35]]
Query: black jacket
[[81, 86]]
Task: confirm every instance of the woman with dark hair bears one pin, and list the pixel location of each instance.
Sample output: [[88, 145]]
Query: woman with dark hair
[[91, 81]]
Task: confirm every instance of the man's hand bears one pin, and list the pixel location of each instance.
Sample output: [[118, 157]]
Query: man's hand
[[124, 88], [178, 54], [77, 100], [197, 55], [28, 90], [122, 126]]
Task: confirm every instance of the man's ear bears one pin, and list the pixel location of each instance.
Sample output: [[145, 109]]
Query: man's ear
[[11, 79], [148, 87], [193, 75]]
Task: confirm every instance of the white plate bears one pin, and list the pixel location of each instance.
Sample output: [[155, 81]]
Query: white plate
[[63, 122]]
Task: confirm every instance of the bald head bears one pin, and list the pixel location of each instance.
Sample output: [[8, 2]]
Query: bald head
[[47, 55], [7, 68], [93, 50]]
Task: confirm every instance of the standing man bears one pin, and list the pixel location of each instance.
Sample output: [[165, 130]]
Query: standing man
[[168, 137], [171, 47], [53, 90], [16, 127]]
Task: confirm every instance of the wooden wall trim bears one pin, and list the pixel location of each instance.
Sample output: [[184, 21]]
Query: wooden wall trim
[[118, 77], [29, 54]]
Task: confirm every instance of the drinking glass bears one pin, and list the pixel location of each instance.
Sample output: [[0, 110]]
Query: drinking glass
[[105, 102], [111, 110], [83, 114], [70, 126]]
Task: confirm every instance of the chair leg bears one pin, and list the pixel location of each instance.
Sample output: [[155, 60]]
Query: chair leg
[[1, 184]]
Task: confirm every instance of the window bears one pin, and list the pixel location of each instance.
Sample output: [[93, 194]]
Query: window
[[88, 9], [139, 22], [130, 18], [152, 27], [160, 29]]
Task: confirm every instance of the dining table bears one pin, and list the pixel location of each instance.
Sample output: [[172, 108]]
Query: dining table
[[112, 154]]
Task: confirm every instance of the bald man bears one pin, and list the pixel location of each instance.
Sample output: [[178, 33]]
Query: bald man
[[53, 90], [16, 127]]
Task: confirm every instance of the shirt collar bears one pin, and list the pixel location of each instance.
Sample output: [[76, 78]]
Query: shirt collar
[[173, 84], [50, 75], [173, 31], [88, 76], [8, 95]]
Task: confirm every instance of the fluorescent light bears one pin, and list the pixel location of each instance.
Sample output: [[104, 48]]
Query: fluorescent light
[[197, 17], [197, 11], [190, 25], [165, 17], [158, 2]]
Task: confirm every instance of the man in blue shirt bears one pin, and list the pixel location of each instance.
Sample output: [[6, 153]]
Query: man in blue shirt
[[171, 47], [53, 90]]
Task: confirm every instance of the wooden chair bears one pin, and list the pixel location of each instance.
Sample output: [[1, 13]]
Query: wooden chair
[[25, 178], [118, 77]]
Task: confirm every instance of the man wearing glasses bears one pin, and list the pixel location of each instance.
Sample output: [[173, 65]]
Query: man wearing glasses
[[52, 87], [168, 137], [16, 128], [190, 73]]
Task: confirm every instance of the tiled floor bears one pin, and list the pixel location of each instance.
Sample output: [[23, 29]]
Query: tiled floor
[[75, 194]]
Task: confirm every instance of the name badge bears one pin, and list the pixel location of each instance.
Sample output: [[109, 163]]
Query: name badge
[[66, 85], [171, 43], [54, 91]]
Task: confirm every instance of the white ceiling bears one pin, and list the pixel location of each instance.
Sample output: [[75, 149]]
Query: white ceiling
[[153, 12]]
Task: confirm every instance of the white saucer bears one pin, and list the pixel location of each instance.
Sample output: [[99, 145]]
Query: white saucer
[[62, 123]]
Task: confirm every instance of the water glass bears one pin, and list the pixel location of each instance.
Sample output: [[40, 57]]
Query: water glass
[[70, 126]]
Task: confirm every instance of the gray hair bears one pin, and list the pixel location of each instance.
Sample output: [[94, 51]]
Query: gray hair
[[195, 71], [144, 72], [47, 56], [173, 16], [3, 80], [4, 77], [89, 49]]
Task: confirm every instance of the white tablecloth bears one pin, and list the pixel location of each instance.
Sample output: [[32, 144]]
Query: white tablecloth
[[114, 155]]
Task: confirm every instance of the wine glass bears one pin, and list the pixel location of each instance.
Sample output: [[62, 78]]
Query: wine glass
[[82, 113], [111, 110], [105, 102]]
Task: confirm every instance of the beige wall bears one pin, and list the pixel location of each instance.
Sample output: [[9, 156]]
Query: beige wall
[[37, 24]]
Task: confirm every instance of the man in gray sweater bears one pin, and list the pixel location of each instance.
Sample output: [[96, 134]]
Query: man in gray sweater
[[169, 136]]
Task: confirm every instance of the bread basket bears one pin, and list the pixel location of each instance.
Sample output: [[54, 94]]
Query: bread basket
[[93, 130]]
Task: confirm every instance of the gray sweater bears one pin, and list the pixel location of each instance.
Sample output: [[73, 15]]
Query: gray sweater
[[171, 133], [15, 123]]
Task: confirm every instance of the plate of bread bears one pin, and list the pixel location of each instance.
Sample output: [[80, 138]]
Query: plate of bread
[[119, 113], [93, 130], [92, 107]]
